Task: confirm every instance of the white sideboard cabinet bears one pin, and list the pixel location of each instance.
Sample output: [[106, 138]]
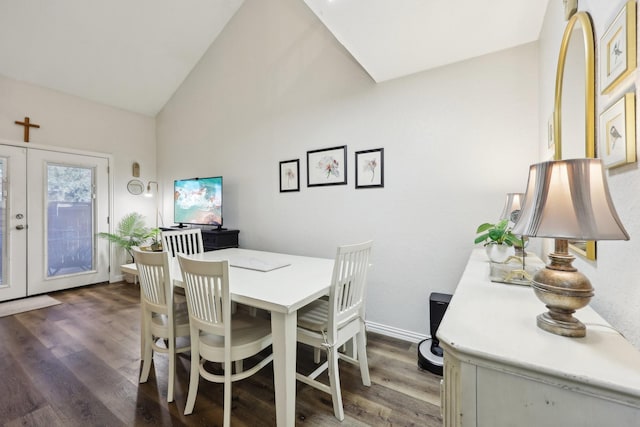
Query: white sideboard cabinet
[[500, 369]]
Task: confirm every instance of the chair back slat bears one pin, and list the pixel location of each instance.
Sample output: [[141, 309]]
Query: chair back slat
[[347, 295], [207, 290], [186, 242]]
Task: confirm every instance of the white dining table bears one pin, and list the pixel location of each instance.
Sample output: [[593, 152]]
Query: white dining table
[[290, 283]]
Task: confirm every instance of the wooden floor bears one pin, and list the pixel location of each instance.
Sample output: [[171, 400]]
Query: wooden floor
[[77, 364]]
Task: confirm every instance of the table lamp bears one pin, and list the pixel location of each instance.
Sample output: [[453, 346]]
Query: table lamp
[[566, 200], [512, 204], [511, 211]]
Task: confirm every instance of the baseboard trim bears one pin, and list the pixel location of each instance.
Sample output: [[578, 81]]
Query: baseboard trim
[[390, 331]]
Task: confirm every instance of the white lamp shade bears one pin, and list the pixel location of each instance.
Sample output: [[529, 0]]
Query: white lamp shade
[[511, 204], [569, 199]]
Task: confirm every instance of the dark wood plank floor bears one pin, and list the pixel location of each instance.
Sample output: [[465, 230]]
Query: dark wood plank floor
[[77, 364]]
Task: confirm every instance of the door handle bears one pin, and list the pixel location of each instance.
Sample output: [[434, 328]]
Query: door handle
[[19, 227]]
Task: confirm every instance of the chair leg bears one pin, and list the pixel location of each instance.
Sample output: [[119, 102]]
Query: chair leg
[[362, 356], [147, 357], [172, 368], [143, 326], [316, 355], [227, 398], [194, 377], [334, 383]]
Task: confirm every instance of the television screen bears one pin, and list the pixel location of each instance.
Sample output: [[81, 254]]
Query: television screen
[[198, 201]]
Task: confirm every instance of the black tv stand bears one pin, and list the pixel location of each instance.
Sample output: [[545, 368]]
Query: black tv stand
[[219, 238], [181, 225]]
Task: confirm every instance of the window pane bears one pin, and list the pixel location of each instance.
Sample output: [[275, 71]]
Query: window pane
[[69, 219]]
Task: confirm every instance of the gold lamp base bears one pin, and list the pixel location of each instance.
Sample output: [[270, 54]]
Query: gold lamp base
[[563, 289], [572, 328]]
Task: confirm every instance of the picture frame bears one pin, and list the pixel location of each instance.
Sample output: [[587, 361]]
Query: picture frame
[[327, 166], [617, 141], [370, 168], [289, 175], [618, 48]]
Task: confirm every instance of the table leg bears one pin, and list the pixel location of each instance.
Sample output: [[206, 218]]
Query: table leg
[[283, 327]]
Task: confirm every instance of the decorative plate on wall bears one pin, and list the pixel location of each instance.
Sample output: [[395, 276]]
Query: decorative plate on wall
[[135, 187]]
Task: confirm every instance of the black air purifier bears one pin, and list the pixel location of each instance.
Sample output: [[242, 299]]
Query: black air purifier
[[429, 350]]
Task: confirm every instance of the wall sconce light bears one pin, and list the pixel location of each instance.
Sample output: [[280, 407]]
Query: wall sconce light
[[149, 193], [566, 200]]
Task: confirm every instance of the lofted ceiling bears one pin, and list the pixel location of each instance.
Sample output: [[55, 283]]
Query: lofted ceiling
[[134, 54]]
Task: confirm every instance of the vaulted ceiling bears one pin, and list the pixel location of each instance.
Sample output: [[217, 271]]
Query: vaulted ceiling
[[134, 54]]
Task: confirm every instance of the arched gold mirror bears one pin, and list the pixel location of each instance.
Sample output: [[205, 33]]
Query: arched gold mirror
[[574, 105]]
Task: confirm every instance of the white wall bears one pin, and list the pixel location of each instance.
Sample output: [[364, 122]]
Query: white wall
[[276, 84], [71, 122], [615, 273]]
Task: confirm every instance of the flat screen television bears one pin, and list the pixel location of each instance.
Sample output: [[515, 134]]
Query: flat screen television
[[198, 201]]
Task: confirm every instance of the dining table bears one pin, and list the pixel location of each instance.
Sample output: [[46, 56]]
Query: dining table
[[277, 282]]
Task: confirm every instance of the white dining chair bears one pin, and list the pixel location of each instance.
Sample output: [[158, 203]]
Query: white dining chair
[[216, 335], [330, 323], [188, 241], [162, 320]]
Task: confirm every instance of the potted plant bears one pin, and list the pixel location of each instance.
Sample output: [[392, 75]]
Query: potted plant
[[131, 231], [498, 239], [156, 244]]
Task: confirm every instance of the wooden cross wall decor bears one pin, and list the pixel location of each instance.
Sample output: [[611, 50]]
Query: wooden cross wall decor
[[27, 125]]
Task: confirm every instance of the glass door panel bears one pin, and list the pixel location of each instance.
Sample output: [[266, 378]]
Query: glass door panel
[[70, 224]]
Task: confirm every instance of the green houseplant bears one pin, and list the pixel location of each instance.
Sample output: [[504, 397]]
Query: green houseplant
[[131, 231], [498, 233], [497, 239]]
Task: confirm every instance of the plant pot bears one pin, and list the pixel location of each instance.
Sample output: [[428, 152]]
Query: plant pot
[[498, 253]]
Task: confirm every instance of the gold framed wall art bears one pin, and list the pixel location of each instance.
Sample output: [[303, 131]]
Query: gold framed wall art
[[618, 48], [617, 142]]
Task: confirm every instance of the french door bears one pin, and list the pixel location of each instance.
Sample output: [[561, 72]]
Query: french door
[[53, 205]]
